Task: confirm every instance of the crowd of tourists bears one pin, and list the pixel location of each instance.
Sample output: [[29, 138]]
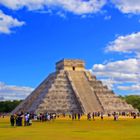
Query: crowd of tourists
[[25, 119], [114, 114], [44, 116], [75, 116], [18, 119], [95, 114], [22, 119]]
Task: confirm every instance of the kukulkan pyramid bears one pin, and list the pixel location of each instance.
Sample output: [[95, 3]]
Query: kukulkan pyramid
[[72, 89]]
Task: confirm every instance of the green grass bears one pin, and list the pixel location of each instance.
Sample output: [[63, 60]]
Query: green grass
[[65, 129]]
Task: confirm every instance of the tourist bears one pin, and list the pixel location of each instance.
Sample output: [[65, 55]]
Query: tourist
[[54, 116], [51, 116], [89, 116], [109, 114], [12, 120], [30, 120], [116, 116], [96, 114], [73, 116], [134, 116], [43, 117], [102, 115], [79, 116], [138, 114], [35, 117], [99, 114], [48, 117], [26, 120], [69, 116], [93, 116], [17, 119], [40, 117]]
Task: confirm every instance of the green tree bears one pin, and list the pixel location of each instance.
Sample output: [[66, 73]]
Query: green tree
[[134, 100], [8, 106]]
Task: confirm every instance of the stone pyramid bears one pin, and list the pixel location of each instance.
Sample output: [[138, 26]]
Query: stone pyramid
[[72, 89]]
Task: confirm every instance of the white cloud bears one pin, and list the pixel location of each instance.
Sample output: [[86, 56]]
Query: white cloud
[[75, 6], [135, 87], [126, 44], [119, 72], [109, 83], [123, 68], [7, 23], [122, 72], [128, 6], [11, 92]]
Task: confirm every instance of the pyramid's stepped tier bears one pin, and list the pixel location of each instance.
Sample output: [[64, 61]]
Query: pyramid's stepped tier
[[110, 102], [83, 89], [72, 89], [59, 98], [27, 103]]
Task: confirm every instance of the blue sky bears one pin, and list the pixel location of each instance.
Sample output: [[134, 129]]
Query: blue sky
[[34, 34]]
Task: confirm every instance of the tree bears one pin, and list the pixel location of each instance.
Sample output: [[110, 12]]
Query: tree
[[134, 100], [8, 106]]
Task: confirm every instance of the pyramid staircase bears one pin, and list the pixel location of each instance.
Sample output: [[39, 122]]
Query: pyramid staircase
[[84, 91]]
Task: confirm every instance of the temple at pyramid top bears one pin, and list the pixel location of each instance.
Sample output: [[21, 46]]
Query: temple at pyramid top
[[70, 64]]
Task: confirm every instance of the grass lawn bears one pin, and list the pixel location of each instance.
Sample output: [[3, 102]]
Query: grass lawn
[[66, 129]]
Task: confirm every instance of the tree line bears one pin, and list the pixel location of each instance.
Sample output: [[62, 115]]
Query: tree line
[[134, 100], [8, 106]]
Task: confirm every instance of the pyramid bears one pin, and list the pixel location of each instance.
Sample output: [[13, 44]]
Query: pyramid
[[72, 89]]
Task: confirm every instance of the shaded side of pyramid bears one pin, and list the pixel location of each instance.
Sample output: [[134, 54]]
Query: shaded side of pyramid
[[109, 101]]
